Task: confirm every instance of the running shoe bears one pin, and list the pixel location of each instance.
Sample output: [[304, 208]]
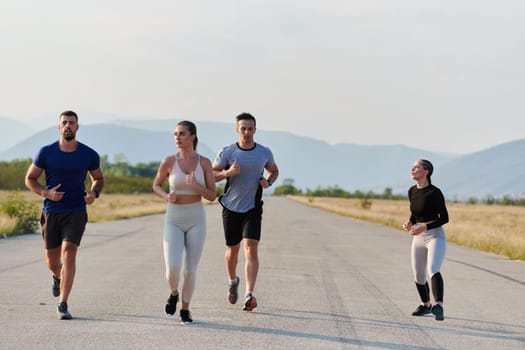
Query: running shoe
[[250, 303], [56, 286], [185, 317], [233, 291], [171, 305], [437, 310], [422, 310], [62, 312]]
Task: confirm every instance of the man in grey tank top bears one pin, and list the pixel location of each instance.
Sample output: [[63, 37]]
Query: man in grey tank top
[[242, 164]]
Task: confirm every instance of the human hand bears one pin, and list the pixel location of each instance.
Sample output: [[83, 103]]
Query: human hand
[[234, 169], [190, 179], [90, 196], [172, 197], [418, 229], [53, 194], [264, 182], [407, 226]]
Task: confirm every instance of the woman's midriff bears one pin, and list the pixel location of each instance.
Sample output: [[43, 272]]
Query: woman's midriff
[[187, 198]]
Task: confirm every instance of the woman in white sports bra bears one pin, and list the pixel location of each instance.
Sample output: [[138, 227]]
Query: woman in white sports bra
[[190, 178]]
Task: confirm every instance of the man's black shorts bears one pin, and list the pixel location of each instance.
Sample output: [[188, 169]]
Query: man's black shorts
[[58, 227], [242, 225]]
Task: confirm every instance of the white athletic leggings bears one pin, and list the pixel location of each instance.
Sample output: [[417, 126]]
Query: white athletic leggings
[[184, 227], [428, 253]]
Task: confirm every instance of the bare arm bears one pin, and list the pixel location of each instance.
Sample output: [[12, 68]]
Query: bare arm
[[31, 181], [273, 173], [97, 183], [162, 174], [221, 174]]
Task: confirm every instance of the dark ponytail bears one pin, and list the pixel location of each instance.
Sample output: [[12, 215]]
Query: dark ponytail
[[427, 166]]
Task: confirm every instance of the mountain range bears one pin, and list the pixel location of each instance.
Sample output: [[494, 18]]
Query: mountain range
[[310, 163]]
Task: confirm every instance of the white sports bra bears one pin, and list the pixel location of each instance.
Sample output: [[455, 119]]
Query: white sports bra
[[177, 178]]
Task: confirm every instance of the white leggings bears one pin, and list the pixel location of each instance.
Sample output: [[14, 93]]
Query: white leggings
[[428, 253], [184, 227]]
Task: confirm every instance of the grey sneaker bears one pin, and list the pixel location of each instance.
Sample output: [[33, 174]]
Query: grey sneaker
[[233, 291], [437, 310], [62, 312], [56, 286]]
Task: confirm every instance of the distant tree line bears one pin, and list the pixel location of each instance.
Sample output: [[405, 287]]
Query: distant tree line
[[491, 200], [122, 177], [12, 174], [288, 188]]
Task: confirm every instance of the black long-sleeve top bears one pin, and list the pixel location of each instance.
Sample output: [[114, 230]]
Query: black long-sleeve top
[[427, 204]]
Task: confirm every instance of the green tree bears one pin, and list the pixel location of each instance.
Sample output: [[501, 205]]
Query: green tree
[[387, 193], [13, 174], [287, 188]]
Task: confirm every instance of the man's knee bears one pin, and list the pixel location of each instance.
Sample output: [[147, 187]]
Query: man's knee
[[232, 251], [251, 248], [69, 250], [53, 258]]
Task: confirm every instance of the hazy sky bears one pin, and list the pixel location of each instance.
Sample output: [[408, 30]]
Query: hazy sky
[[442, 75]]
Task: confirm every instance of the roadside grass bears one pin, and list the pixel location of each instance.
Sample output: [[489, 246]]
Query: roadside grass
[[491, 228], [7, 225], [125, 206], [108, 207]]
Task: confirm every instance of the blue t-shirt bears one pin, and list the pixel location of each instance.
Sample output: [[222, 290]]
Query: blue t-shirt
[[68, 169], [242, 192]]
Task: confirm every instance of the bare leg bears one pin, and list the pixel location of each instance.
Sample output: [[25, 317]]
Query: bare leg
[[251, 247], [232, 257], [53, 260], [69, 256]]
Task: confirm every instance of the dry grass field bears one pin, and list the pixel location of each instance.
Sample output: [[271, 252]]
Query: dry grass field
[[124, 206], [491, 228], [109, 207], [496, 229]]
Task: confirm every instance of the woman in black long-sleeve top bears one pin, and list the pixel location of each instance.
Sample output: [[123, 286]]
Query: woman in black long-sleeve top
[[428, 215]]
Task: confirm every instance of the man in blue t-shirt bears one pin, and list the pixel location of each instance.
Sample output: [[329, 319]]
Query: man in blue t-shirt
[[66, 164], [242, 164]]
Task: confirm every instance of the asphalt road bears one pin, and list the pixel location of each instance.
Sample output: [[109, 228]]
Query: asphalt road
[[325, 282]]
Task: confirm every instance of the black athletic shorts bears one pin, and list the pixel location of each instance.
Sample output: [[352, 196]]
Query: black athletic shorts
[[58, 227], [241, 225]]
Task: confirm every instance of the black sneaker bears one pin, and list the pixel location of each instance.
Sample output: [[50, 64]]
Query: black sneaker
[[250, 303], [56, 286], [171, 305], [437, 310], [233, 291], [185, 317], [422, 310], [62, 312]]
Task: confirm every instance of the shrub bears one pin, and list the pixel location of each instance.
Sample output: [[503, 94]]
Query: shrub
[[366, 203], [24, 212], [472, 200]]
